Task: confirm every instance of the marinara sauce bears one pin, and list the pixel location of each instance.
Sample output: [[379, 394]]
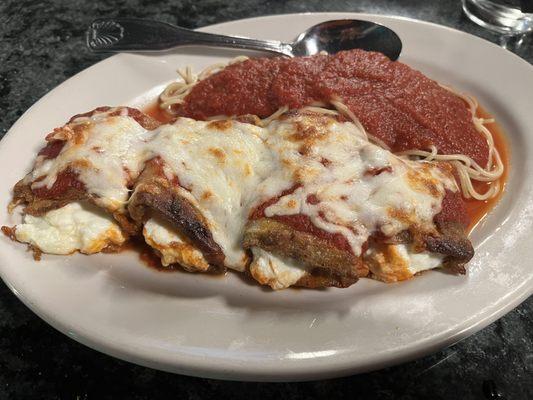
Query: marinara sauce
[[394, 102]]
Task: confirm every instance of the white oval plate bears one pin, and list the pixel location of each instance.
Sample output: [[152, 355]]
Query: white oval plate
[[227, 328]]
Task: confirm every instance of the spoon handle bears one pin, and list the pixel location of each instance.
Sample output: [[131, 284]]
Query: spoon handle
[[135, 34]]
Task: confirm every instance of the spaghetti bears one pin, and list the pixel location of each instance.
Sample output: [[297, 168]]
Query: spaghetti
[[176, 92], [467, 169]]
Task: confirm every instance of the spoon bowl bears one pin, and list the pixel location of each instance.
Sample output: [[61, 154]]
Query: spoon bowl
[[347, 34], [133, 34]]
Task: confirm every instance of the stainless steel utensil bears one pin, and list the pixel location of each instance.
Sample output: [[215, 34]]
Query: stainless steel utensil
[[130, 34]]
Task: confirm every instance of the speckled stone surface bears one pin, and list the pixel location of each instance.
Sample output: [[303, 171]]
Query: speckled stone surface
[[41, 45]]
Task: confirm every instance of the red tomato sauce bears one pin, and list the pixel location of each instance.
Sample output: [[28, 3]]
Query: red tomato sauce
[[65, 180], [302, 222], [395, 103], [52, 149]]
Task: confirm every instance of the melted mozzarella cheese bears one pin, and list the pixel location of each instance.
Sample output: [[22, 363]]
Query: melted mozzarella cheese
[[105, 151], [74, 227], [274, 271], [171, 247], [220, 167], [226, 168], [398, 262], [356, 187]]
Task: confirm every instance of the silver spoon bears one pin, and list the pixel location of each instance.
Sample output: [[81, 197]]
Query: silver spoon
[[132, 34]]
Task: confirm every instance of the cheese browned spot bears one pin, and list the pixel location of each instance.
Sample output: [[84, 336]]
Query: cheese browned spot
[[218, 154], [220, 125]]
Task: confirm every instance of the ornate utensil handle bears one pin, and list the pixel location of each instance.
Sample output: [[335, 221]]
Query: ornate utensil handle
[[133, 34]]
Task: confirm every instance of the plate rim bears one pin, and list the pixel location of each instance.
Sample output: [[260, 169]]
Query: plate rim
[[299, 372]]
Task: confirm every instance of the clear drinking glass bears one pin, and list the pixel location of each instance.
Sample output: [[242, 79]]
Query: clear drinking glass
[[511, 17]]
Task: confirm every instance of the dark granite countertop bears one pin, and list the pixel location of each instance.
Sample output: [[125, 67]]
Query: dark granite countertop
[[41, 45]]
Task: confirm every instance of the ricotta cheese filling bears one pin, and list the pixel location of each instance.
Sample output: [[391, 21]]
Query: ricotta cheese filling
[[74, 227], [398, 262], [172, 247], [274, 271]]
